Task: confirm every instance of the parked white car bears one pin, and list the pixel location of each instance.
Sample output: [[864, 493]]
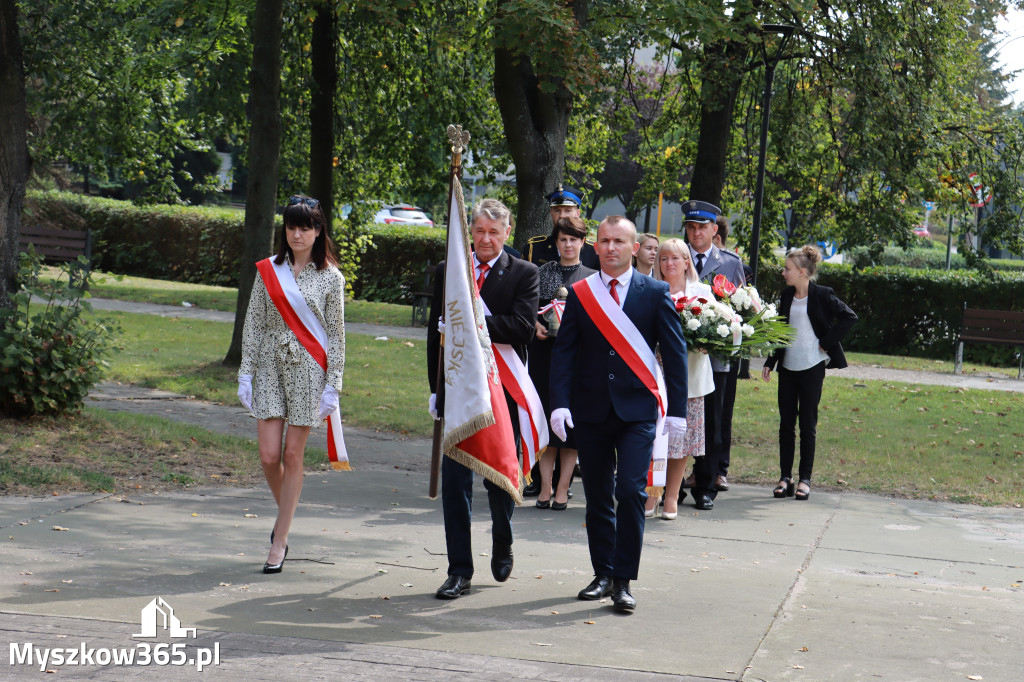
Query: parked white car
[[402, 214]]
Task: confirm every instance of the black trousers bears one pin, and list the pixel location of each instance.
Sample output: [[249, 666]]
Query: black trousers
[[726, 383], [717, 433], [457, 505], [799, 395]]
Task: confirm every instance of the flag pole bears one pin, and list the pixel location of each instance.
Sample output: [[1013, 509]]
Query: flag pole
[[459, 139]]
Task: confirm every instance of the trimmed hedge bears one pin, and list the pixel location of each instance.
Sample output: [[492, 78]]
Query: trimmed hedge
[[181, 243], [392, 269], [908, 311], [933, 257]]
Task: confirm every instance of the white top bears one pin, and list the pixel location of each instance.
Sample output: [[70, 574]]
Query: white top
[[805, 351]]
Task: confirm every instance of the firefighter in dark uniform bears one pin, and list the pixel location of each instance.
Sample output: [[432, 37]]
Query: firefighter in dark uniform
[[564, 202]]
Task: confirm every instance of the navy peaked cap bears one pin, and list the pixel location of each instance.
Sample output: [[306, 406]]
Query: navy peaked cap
[[565, 196], [700, 212]]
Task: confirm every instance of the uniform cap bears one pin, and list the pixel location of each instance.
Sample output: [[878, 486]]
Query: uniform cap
[[565, 196], [700, 212]]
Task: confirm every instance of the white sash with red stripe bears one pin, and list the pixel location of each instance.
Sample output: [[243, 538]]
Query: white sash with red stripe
[[287, 298], [533, 427], [626, 340]]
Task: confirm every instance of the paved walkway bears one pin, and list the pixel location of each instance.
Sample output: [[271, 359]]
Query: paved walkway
[[845, 586]]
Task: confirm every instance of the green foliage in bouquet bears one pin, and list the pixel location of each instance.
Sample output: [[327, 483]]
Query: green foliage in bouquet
[[50, 359], [737, 324]]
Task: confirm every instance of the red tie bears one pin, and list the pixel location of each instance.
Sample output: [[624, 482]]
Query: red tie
[[484, 267], [615, 294]]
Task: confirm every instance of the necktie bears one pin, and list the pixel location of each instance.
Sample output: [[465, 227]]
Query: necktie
[[615, 295], [700, 263], [484, 267]]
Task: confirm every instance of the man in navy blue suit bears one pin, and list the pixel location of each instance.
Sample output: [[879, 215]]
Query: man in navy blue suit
[[603, 378]]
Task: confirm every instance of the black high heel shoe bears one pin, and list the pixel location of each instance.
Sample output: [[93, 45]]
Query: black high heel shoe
[[804, 494], [276, 568], [784, 488]]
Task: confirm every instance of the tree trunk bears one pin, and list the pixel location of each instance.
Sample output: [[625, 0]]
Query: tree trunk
[[14, 158], [264, 155], [536, 126], [720, 84], [321, 113]]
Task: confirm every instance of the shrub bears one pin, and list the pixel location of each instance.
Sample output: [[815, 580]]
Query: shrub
[[391, 270], [182, 243], [927, 257], [51, 358]]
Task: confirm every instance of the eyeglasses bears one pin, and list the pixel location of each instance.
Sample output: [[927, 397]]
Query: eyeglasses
[[296, 199]]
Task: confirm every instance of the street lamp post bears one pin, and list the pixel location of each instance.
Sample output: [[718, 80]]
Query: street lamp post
[[770, 62]]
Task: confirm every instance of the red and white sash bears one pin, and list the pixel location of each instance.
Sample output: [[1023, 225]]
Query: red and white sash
[[287, 297], [626, 340], [515, 379]]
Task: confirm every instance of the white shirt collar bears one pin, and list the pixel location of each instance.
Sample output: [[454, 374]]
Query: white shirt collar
[[623, 279], [490, 263]]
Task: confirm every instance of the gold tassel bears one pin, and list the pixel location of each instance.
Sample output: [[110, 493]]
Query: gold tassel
[[654, 490], [341, 466]]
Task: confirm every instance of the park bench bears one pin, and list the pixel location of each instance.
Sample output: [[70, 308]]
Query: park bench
[[421, 299], [1000, 327], [56, 245]]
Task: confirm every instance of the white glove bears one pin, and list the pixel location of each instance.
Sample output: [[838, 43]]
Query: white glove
[[440, 326], [328, 402], [675, 427], [245, 391], [561, 418], [432, 406]]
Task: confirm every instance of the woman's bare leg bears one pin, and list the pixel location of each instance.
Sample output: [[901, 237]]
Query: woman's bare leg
[[291, 486]]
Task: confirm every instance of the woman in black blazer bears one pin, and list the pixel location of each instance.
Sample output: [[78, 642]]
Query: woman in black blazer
[[821, 321]]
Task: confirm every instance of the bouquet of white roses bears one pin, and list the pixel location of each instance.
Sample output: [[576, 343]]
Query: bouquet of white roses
[[710, 325], [763, 330]]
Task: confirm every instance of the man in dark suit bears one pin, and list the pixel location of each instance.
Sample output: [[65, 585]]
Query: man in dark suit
[[710, 261], [595, 382], [509, 287]]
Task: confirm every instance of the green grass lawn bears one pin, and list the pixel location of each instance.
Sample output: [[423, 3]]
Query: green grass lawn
[[385, 383], [909, 440], [874, 436], [144, 290]]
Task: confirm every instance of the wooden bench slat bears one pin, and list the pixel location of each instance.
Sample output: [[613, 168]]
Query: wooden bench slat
[[50, 232], [77, 244]]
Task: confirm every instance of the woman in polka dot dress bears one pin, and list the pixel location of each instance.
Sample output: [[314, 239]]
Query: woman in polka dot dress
[[279, 381]]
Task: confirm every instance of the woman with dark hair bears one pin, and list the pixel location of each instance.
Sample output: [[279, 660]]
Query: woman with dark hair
[[569, 235], [821, 321], [293, 356]]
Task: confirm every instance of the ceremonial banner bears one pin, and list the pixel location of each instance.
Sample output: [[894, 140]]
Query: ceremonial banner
[[533, 427], [477, 427], [625, 338], [287, 297]]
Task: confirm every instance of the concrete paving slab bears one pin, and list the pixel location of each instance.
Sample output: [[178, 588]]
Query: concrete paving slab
[[731, 594]]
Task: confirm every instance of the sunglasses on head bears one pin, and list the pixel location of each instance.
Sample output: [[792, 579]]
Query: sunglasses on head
[[296, 199]]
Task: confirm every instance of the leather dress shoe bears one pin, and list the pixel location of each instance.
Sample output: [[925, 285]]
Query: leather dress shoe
[[453, 588], [532, 489], [501, 562], [599, 587], [623, 600], [690, 481], [704, 502], [721, 483]]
